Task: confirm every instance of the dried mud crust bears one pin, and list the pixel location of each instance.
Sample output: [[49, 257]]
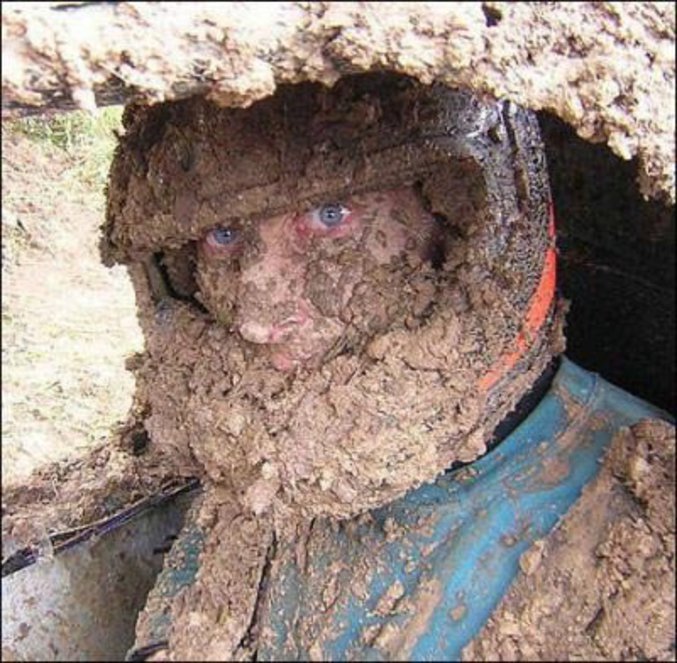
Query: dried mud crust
[[398, 401], [71, 494], [608, 69], [601, 586], [183, 168], [336, 441], [216, 615], [212, 615]]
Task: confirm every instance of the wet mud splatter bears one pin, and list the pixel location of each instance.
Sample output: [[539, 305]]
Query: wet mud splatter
[[601, 585]]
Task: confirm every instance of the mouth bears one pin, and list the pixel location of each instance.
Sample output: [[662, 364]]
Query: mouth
[[284, 359], [287, 328]]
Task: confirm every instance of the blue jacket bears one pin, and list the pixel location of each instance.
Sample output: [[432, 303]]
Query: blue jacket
[[417, 579]]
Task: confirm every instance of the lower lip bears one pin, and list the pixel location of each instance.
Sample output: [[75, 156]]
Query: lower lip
[[284, 358], [282, 362]]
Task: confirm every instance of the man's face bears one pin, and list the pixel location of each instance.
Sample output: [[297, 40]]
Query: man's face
[[298, 283]]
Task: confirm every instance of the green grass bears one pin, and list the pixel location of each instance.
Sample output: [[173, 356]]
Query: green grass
[[88, 138]]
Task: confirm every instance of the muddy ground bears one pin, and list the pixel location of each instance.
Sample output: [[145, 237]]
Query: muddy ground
[[68, 322]]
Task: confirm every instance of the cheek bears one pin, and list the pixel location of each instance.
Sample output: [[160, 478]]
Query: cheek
[[351, 226], [408, 232], [388, 240], [329, 285]]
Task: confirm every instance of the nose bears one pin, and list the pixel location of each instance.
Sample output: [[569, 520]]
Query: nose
[[261, 331], [255, 332], [271, 288]]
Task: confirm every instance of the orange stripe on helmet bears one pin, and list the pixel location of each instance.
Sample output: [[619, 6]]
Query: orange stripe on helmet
[[536, 314]]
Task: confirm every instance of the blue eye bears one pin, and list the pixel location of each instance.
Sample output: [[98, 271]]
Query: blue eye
[[224, 236], [331, 214]]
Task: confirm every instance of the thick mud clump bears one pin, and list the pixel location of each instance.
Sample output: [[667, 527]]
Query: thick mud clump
[[213, 617], [601, 584], [608, 69], [331, 315]]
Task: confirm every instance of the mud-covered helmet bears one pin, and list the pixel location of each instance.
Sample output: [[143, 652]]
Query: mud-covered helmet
[[430, 383]]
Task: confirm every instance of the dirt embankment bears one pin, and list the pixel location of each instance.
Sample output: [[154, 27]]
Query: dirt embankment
[[606, 68], [68, 322]]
